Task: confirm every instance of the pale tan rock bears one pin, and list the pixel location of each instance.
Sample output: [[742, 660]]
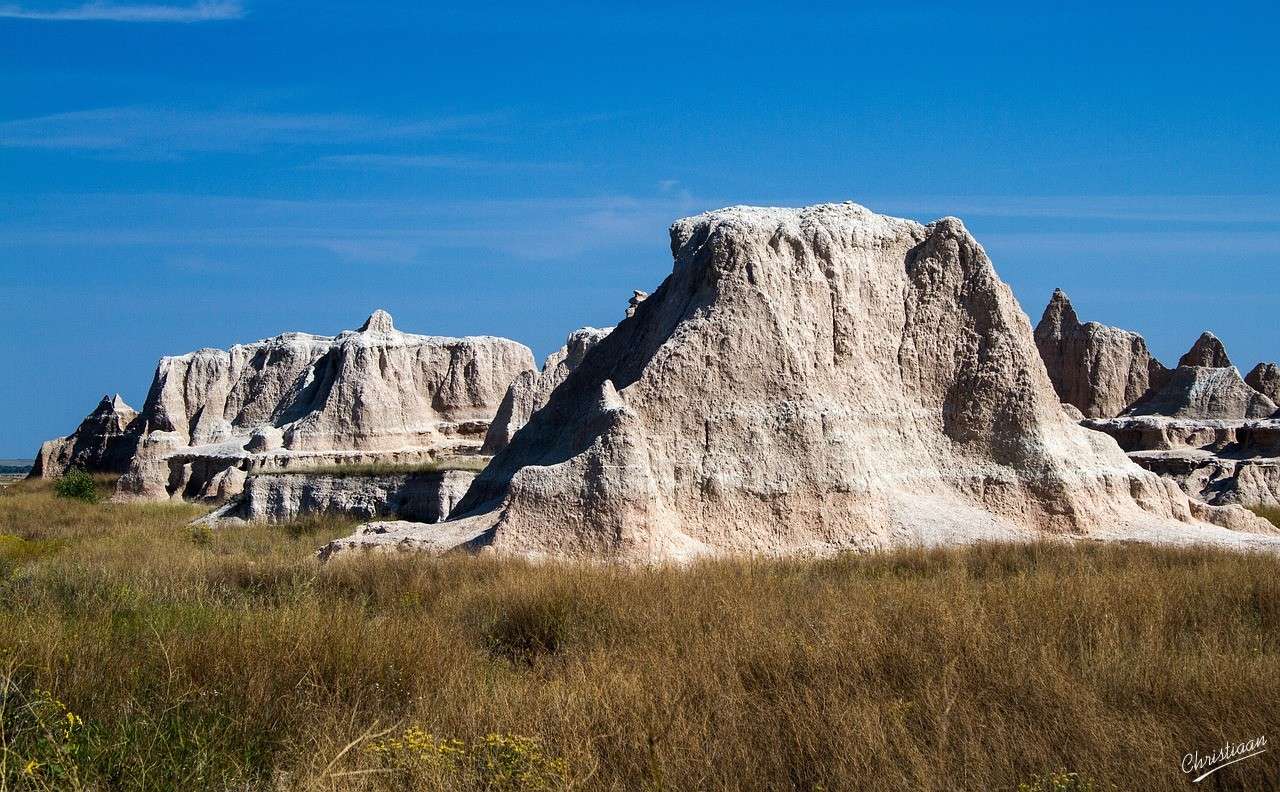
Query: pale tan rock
[[807, 382], [376, 393], [1100, 370], [531, 389]]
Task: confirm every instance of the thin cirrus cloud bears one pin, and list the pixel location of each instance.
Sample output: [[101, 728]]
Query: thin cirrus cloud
[[356, 231], [221, 10], [430, 162], [163, 133]]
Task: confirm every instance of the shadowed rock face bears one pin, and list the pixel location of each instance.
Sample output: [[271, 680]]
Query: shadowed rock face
[[104, 442], [1099, 370], [280, 497], [531, 389], [1265, 378], [1206, 352], [806, 381]]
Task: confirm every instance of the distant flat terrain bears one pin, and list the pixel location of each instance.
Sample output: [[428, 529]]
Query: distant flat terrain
[[13, 469]]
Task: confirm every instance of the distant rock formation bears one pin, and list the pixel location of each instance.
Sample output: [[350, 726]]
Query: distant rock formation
[[1099, 370], [1206, 352], [1205, 428], [104, 442], [531, 389], [365, 396], [426, 497], [1265, 379], [806, 382], [1205, 393]]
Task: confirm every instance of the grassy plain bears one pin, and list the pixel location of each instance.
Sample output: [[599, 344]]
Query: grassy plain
[[137, 653]]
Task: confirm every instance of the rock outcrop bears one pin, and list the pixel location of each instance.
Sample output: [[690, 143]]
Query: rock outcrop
[[807, 382], [374, 395], [1265, 379], [1206, 352], [531, 389], [425, 497], [104, 442], [1099, 370], [1204, 428], [1200, 392]]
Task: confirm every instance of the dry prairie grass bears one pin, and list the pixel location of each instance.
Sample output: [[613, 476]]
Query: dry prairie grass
[[232, 660]]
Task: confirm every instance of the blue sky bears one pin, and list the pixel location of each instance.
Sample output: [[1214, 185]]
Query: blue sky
[[178, 175]]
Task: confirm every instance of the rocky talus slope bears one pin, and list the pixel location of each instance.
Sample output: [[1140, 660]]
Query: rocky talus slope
[[370, 396], [1200, 425], [808, 381]]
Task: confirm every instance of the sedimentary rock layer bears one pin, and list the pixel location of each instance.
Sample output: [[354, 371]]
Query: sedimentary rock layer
[[425, 497]]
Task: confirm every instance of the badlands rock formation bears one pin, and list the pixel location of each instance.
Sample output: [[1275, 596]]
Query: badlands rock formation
[[278, 497], [531, 389], [1099, 370], [1206, 352], [809, 381], [1265, 379], [1204, 393], [1199, 425], [103, 442], [375, 395]]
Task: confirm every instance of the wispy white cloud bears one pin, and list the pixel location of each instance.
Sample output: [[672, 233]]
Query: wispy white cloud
[[1133, 208], [358, 231], [150, 132], [430, 162], [211, 11]]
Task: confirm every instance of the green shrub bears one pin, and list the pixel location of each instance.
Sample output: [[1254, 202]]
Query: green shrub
[[77, 484]]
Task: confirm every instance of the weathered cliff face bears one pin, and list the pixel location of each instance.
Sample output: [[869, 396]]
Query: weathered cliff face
[[1265, 378], [1100, 370], [531, 389], [372, 389], [1205, 386], [808, 381], [104, 442], [375, 394]]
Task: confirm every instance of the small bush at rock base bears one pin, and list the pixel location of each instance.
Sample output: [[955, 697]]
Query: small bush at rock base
[[78, 485]]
